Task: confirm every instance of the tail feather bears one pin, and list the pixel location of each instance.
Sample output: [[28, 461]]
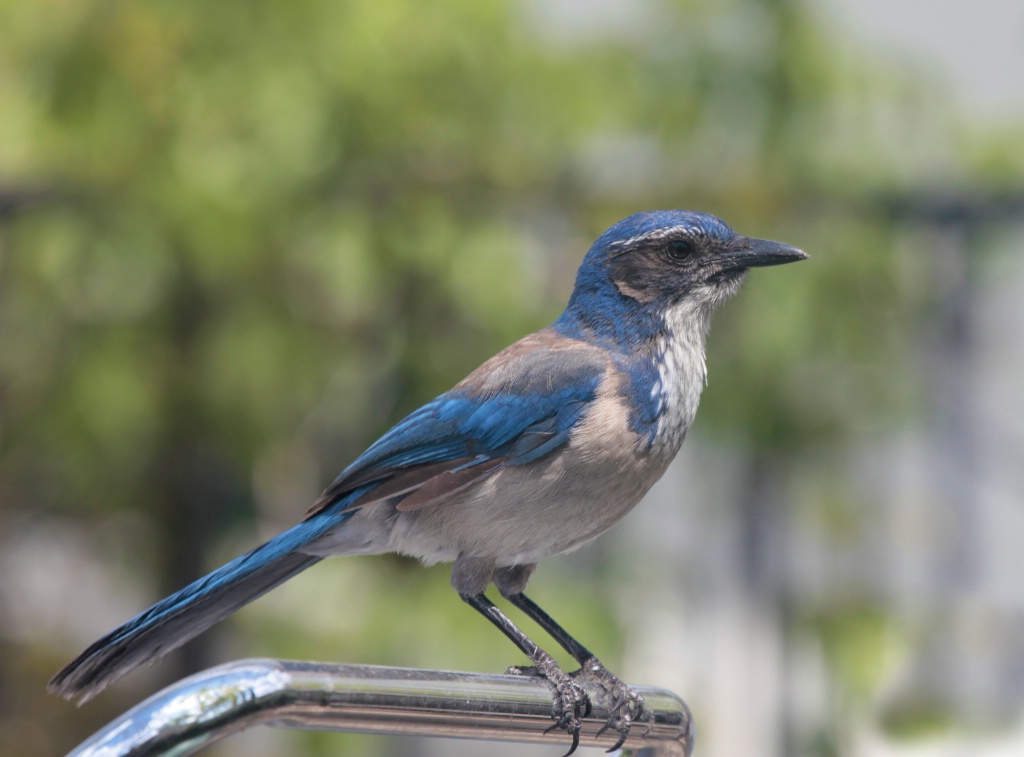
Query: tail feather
[[171, 622]]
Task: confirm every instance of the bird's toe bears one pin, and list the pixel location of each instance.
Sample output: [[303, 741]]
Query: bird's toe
[[625, 705], [570, 703]]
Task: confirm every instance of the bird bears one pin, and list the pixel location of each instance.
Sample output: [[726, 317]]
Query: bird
[[535, 453]]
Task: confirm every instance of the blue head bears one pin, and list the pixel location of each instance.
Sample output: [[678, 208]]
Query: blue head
[[651, 265]]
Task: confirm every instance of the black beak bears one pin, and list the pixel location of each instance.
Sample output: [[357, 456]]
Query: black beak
[[750, 252]]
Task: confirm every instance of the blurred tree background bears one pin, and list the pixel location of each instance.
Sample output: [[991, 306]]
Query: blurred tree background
[[238, 240]]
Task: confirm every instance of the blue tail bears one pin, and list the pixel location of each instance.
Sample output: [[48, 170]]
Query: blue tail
[[185, 614]]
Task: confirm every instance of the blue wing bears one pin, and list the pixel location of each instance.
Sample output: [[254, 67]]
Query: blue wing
[[515, 409]]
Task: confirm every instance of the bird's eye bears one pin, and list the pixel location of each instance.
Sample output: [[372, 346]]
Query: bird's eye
[[679, 250]]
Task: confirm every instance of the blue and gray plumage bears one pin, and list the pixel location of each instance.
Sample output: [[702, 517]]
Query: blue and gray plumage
[[537, 452]]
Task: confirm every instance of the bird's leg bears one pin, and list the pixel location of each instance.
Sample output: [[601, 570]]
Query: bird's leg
[[571, 702], [625, 704]]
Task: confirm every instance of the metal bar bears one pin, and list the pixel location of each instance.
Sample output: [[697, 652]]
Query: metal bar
[[204, 708]]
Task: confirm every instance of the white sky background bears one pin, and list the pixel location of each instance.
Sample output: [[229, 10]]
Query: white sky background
[[976, 46]]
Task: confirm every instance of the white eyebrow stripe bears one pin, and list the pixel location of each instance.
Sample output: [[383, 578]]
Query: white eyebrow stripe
[[656, 234]]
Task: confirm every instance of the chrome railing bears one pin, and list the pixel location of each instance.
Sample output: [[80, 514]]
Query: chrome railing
[[204, 708]]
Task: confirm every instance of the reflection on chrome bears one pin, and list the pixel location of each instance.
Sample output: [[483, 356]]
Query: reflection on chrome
[[206, 707]]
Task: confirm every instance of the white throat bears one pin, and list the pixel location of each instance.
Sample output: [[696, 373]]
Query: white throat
[[682, 373]]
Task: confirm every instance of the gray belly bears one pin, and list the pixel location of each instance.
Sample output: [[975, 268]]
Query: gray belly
[[517, 516], [524, 513]]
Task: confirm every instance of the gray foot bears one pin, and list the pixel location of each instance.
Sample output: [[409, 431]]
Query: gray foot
[[625, 705], [570, 703]]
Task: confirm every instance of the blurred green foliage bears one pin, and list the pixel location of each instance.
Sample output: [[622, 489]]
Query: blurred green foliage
[[240, 239]]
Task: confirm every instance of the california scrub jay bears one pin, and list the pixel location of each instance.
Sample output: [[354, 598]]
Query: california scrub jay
[[537, 452]]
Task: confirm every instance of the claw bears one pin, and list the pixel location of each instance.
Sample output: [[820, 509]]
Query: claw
[[618, 744], [575, 743], [625, 706], [570, 702], [623, 733]]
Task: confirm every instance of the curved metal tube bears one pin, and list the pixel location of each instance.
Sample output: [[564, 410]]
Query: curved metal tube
[[204, 708]]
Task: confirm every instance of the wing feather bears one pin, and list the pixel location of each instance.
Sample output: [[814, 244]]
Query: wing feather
[[516, 408]]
